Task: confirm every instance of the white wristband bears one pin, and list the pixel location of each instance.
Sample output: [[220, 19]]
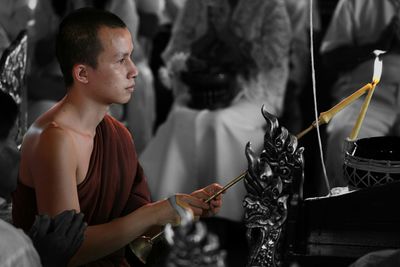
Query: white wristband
[[180, 210]]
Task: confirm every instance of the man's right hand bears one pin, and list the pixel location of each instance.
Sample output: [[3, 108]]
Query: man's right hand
[[57, 240], [188, 202]]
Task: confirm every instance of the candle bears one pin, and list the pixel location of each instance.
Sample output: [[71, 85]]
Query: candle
[[375, 80], [326, 116]]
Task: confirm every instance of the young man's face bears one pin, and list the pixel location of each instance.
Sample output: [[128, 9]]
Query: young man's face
[[113, 80]]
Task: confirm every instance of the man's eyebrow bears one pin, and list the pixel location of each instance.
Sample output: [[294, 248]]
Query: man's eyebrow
[[118, 55], [122, 55]]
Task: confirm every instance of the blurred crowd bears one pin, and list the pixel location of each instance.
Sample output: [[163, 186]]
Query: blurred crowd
[[206, 68]]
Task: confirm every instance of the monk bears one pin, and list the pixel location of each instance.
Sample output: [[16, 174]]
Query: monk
[[76, 157]]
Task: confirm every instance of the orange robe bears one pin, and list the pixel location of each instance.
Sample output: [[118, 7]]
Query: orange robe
[[114, 185]]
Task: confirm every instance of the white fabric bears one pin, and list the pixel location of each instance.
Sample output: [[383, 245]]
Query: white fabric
[[298, 11], [357, 22], [141, 110], [5, 210], [16, 249], [263, 24], [380, 258], [4, 40], [194, 148], [14, 16]]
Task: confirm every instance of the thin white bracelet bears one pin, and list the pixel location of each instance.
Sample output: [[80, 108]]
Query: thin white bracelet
[[180, 210]]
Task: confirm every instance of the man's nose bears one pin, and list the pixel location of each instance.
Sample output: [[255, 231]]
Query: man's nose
[[133, 70]]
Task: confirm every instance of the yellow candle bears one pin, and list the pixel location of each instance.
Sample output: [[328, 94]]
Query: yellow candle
[[326, 116], [363, 111], [375, 80]]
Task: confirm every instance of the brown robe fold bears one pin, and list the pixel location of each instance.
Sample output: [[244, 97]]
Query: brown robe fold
[[114, 185]]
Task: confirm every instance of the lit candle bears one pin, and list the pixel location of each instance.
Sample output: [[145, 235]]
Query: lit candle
[[326, 116], [375, 80]]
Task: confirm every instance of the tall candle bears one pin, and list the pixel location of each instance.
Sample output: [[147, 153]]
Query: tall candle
[[375, 80], [326, 116]]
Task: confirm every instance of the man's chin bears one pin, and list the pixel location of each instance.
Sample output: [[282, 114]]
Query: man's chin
[[124, 100], [127, 100]]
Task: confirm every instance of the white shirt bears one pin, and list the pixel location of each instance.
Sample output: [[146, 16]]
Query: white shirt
[[357, 22], [16, 248]]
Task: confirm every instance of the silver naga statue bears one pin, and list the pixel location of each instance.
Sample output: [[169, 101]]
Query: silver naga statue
[[12, 78], [191, 245], [272, 180]]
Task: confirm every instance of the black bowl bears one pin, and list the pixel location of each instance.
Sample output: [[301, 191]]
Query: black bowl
[[378, 148], [372, 161]]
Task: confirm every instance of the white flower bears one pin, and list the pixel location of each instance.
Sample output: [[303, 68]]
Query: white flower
[[177, 63]]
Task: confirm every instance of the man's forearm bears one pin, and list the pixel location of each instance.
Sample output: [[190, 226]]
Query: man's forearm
[[103, 239]]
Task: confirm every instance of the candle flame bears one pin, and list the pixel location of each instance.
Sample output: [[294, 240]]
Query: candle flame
[[377, 66]]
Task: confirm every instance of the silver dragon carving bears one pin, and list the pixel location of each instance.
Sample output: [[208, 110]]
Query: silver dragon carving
[[271, 180], [192, 245], [12, 78]]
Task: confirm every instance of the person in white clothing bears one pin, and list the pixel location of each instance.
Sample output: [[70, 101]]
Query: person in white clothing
[[225, 44]]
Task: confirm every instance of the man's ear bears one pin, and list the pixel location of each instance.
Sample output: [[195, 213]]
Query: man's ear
[[80, 73]]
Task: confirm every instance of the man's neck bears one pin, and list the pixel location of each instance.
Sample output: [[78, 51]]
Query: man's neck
[[83, 112]]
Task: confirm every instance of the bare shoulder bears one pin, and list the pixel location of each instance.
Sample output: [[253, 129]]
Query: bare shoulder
[[46, 146], [47, 136]]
